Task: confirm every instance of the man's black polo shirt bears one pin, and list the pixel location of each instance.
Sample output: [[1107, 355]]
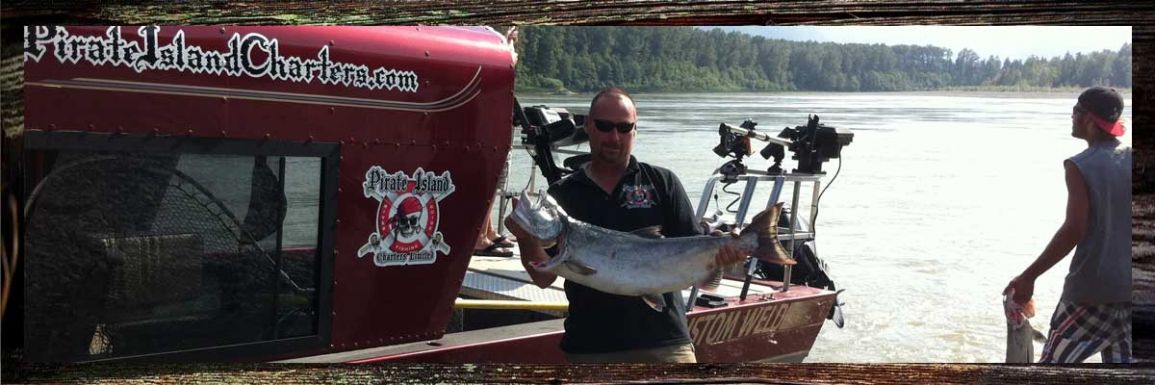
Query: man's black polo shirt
[[600, 322]]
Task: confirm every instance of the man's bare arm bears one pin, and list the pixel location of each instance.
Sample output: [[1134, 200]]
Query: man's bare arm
[[1074, 228]]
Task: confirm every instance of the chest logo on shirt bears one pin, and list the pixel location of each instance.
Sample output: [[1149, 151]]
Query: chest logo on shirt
[[638, 196]]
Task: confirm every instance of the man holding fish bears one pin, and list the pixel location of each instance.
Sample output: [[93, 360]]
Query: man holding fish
[[624, 236], [1094, 313]]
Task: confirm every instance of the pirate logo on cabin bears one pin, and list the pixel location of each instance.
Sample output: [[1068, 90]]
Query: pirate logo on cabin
[[638, 196], [407, 217]]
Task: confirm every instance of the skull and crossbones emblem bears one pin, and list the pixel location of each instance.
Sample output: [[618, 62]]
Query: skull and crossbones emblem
[[407, 221], [408, 217]]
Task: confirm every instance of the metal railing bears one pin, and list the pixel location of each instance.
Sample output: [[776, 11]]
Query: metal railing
[[751, 179], [505, 195]]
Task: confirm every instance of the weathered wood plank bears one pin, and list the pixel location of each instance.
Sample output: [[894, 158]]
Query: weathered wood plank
[[1143, 200], [1143, 274], [638, 374], [1143, 103], [12, 95], [600, 12], [859, 12]]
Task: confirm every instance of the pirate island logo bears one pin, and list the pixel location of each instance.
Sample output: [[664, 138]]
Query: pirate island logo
[[638, 196], [407, 217]]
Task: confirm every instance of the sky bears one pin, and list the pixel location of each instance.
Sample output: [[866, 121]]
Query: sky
[[1014, 42]]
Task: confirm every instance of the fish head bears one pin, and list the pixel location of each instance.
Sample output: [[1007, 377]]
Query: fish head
[[543, 219]]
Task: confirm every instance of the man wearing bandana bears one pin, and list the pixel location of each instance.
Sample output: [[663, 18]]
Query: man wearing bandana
[[1094, 313]]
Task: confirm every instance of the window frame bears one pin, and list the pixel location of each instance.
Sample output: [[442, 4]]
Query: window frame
[[329, 154]]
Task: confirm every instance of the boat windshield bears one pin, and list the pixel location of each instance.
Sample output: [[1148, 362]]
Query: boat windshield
[[135, 253]]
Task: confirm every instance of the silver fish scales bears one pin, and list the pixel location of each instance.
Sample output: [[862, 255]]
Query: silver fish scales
[[640, 263]]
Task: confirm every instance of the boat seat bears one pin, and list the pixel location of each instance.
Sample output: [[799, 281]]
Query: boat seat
[[575, 162], [156, 281]]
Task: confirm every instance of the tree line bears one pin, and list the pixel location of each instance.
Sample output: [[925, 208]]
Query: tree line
[[655, 59]]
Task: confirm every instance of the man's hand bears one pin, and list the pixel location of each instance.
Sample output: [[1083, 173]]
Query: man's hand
[[1024, 289], [730, 254], [531, 252], [515, 229]]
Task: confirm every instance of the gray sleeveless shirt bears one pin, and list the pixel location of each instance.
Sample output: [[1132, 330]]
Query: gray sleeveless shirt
[[1101, 268]]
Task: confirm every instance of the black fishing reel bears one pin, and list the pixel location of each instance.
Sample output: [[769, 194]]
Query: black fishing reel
[[543, 129], [733, 145], [812, 145]]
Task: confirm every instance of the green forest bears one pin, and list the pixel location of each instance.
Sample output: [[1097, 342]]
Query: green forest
[[686, 59]]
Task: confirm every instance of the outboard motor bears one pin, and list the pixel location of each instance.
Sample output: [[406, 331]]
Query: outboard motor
[[810, 270], [544, 129]]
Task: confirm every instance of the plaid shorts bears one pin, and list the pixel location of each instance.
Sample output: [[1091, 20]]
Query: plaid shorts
[[1078, 331]]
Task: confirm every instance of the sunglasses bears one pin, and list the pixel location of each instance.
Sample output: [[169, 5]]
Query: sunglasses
[[606, 126]]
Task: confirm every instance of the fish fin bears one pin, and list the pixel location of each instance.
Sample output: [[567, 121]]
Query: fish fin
[[656, 301], [765, 226], [654, 232], [712, 282], [580, 268], [1038, 335]]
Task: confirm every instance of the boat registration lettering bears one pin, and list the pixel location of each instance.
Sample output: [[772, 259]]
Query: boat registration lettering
[[725, 326]]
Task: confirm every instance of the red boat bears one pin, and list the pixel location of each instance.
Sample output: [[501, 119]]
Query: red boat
[[307, 194]]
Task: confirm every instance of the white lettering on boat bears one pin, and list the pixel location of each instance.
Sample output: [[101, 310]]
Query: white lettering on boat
[[253, 55], [726, 326]]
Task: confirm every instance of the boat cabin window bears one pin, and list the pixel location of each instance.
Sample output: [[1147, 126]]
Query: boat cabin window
[[165, 248]]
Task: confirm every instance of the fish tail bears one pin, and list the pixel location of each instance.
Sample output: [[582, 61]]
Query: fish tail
[[765, 227]]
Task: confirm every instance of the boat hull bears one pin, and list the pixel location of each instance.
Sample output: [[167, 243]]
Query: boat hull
[[778, 329]]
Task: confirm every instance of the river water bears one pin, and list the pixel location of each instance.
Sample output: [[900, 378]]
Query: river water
[[941, 199]]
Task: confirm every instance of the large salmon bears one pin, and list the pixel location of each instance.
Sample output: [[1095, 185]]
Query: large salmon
[[639, 263]]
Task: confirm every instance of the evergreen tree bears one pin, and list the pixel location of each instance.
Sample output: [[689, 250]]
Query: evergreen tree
[[687, 59]]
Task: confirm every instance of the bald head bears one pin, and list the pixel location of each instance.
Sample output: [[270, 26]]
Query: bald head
[[610, 98]]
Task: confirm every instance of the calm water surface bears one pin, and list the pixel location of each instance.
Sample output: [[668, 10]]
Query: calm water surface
[[941, 199]]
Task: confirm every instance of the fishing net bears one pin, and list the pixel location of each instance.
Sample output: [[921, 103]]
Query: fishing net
[[134, 254]]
